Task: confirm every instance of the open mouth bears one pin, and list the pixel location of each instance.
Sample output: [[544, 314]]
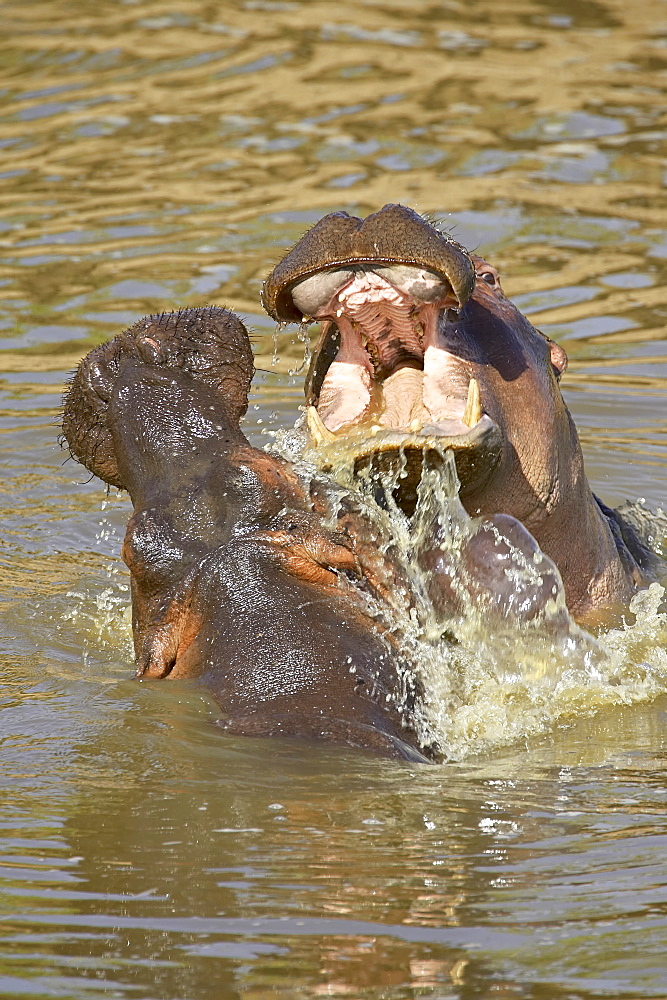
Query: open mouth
[[389, 382]]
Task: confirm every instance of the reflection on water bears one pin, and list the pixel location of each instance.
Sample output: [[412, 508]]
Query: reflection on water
[[165, 152]]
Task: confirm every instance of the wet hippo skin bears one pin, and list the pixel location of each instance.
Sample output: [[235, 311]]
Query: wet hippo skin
[[242, 574], [234, 579], [414, 357]]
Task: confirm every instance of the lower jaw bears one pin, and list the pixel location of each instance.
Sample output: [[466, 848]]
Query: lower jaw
[[395, 459]]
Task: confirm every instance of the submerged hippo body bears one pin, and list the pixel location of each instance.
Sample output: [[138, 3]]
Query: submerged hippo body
[[410, 361], [234, 579]]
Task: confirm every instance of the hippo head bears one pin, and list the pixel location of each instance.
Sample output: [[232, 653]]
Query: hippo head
[[420, 352]]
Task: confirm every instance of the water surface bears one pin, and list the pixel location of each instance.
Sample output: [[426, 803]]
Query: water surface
[[165, 152]]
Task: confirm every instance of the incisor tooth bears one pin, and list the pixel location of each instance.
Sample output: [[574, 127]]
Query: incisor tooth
[[318, 431], [473, 411], [415, 425]]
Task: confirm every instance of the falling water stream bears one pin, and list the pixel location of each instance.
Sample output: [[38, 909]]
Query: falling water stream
[[491, 674]]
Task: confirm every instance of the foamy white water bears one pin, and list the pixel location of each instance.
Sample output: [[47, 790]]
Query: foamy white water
[[492, 678]]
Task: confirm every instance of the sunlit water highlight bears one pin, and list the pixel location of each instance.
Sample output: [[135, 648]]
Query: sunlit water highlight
[[165, 153]]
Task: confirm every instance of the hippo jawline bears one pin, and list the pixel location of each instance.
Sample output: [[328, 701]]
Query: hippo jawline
[[388, 384]]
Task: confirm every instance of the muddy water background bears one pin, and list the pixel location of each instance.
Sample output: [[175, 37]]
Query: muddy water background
[[165, 152]]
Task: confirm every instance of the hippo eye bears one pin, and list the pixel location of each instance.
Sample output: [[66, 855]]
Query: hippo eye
[[490, 277]]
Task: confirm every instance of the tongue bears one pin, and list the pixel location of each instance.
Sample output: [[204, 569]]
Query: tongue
[[403, 398]]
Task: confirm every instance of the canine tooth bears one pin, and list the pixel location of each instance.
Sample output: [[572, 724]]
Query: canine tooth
[[339, 312], [375, 429], [415, 425], [319, 432], [473, 410]]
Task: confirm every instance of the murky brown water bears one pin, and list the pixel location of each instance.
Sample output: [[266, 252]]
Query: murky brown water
[[165, 152]]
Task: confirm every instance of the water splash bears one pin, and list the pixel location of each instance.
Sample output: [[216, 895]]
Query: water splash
[[498, 656], [651, 526], [277, 331], [497, 652], [103, 618], [303, 335]]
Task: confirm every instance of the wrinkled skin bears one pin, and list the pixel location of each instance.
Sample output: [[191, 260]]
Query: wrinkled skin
[[234, 579], [414, 359]]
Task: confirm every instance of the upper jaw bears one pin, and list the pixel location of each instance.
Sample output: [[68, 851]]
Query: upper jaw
[[394, 237]]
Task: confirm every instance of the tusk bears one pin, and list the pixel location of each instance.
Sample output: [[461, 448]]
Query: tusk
[[473, 411], [319, 433]]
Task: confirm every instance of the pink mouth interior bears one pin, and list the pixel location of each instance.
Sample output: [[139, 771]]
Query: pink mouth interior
[[394, 368]]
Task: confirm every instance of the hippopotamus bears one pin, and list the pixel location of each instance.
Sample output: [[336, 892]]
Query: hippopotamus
[[414, 358], [241, 577], [276, 592]]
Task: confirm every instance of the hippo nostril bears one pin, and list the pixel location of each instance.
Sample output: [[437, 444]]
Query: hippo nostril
[[149, 350], [98, 380]]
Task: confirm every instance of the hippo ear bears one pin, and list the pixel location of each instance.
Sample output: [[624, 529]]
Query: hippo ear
[[558, 358], [558, 355]]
